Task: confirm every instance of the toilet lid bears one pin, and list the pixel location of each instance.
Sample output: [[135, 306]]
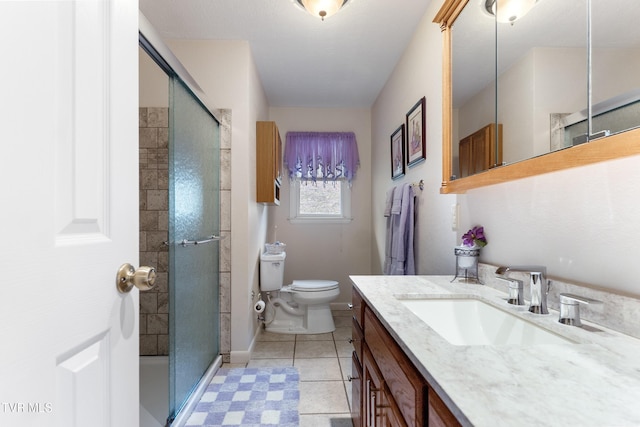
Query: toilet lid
[[313, 285]]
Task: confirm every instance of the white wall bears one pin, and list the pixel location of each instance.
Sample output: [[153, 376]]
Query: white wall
[[581, 223], [418, 74], [327, 251], [153, 89], [226, 72]]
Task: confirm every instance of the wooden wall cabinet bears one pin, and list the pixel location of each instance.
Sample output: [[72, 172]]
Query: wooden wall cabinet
[[387, 389], [478, 152], [268, 163]]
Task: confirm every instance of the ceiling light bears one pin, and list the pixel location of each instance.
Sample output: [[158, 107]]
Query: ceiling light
[[322, 8], [509, 11]]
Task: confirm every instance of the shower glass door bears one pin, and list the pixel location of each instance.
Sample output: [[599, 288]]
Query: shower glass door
[[194, 165]]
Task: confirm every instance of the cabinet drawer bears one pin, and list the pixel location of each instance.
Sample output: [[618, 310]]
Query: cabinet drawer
[[357, 336], [358, 307], [407, 386]]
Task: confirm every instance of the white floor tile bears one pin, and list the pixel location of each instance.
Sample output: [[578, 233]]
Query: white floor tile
[[273, 350], [313, 349], [318, 397], [321, 369]]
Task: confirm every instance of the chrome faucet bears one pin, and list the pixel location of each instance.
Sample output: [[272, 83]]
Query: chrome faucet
[[570, 308], [538, 283], [516, 290]]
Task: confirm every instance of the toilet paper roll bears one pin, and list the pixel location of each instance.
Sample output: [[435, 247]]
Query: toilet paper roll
[[259, 307]]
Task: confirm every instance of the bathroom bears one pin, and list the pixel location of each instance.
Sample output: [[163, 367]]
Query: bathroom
[[580, 223], [529, 221]]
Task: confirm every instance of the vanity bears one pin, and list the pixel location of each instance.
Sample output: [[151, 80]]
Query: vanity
[[409, 370]]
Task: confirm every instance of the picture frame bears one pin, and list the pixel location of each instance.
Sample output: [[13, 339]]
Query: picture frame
[[397, 152], [416, 130]]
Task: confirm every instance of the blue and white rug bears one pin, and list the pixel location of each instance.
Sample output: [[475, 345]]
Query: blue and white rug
[[250, 397]]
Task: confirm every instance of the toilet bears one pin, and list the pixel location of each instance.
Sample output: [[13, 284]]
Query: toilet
[[299, 308]]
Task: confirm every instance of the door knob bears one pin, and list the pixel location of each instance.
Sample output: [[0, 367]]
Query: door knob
[[143, 278]]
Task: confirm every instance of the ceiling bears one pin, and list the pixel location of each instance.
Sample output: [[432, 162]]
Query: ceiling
[[301, 60]]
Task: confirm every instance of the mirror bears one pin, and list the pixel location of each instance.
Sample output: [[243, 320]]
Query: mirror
[[541, 55]]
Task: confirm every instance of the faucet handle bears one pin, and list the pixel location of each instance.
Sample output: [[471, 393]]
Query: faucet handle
[[570, 308], [516, 290]]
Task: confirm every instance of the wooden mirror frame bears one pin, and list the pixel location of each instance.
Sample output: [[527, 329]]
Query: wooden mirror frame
[[616, 146]]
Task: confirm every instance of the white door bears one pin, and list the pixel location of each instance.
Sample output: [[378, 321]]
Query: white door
[[68, 215]]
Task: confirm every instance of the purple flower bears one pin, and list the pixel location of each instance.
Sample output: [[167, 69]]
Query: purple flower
[[474, 237]]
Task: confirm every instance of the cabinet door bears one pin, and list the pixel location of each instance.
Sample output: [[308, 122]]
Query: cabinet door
[[356, 391], [479, 152], [464, 159], [379, 408], [268, 163], [439, 414]]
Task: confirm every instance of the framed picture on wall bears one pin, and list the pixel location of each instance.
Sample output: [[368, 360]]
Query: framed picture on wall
[[416, 129], [397, 153]]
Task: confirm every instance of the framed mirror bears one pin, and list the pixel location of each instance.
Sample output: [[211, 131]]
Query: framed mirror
[[536, 58]]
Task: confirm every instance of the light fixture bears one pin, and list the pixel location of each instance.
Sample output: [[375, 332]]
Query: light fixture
[[509, 11], [322, 8]]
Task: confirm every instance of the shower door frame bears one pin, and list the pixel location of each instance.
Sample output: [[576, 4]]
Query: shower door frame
[[151, 42]]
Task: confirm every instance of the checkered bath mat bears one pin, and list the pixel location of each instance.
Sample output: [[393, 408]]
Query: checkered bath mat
[[256, 397]]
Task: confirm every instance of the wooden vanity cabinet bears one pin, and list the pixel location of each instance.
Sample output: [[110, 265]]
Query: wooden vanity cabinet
[[387, 389], [478, 152], [268, 163], [357, 339]]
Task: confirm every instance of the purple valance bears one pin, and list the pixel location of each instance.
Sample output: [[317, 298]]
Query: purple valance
[[321, 155]]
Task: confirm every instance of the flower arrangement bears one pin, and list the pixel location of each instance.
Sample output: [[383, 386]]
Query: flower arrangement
[[474, 237]]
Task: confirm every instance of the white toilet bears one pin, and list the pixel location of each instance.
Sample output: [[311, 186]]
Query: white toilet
[[299, 308]]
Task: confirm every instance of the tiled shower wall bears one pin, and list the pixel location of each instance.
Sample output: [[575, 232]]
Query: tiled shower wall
[[154, 226], [154, 221]]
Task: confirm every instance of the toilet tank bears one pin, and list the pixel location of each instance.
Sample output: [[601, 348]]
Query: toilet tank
[[272, 271]]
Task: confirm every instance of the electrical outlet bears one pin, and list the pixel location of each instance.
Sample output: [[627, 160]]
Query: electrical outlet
[[455, 217]]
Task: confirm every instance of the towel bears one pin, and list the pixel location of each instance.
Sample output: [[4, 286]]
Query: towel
[[396, 205], [399, 252], [389, 201]]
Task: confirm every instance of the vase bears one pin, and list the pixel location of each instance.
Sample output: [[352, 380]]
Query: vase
[[467, 256], [467, 263]]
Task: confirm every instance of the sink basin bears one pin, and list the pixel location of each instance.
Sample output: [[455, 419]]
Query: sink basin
[[468, 321]]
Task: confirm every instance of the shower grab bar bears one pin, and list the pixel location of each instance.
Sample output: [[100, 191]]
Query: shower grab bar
[[185, 242]]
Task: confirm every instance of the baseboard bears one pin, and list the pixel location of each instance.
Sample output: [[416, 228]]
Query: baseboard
[[240, 357]]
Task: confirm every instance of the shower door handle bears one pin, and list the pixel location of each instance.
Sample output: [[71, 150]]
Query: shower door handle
[[212, 238], [143, 278]]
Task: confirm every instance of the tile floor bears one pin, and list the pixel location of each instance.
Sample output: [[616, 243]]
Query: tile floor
[[323, 361]]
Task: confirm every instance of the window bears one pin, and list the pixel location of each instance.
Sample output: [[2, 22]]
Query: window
[[315, 202], [321, 167]]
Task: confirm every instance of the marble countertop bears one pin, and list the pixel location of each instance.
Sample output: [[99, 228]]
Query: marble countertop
[[595, 382]]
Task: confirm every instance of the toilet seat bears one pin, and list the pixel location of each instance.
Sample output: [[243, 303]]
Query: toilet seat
[[313, 285]]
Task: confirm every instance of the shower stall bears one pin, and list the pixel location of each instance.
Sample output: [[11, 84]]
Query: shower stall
[[180, 234]]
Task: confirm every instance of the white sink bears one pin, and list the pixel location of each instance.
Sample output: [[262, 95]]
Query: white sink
[[474, 322]]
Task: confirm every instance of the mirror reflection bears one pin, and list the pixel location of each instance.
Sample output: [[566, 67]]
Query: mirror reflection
[[540, 62]]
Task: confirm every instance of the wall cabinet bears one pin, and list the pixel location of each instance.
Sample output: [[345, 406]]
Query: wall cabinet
[[478, 152], [268, 163], [387, 389]]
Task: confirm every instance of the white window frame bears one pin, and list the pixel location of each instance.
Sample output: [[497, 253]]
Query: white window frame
[[295, 217]]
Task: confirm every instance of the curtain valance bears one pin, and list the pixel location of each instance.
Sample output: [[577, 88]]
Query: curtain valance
[[321, 155]]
